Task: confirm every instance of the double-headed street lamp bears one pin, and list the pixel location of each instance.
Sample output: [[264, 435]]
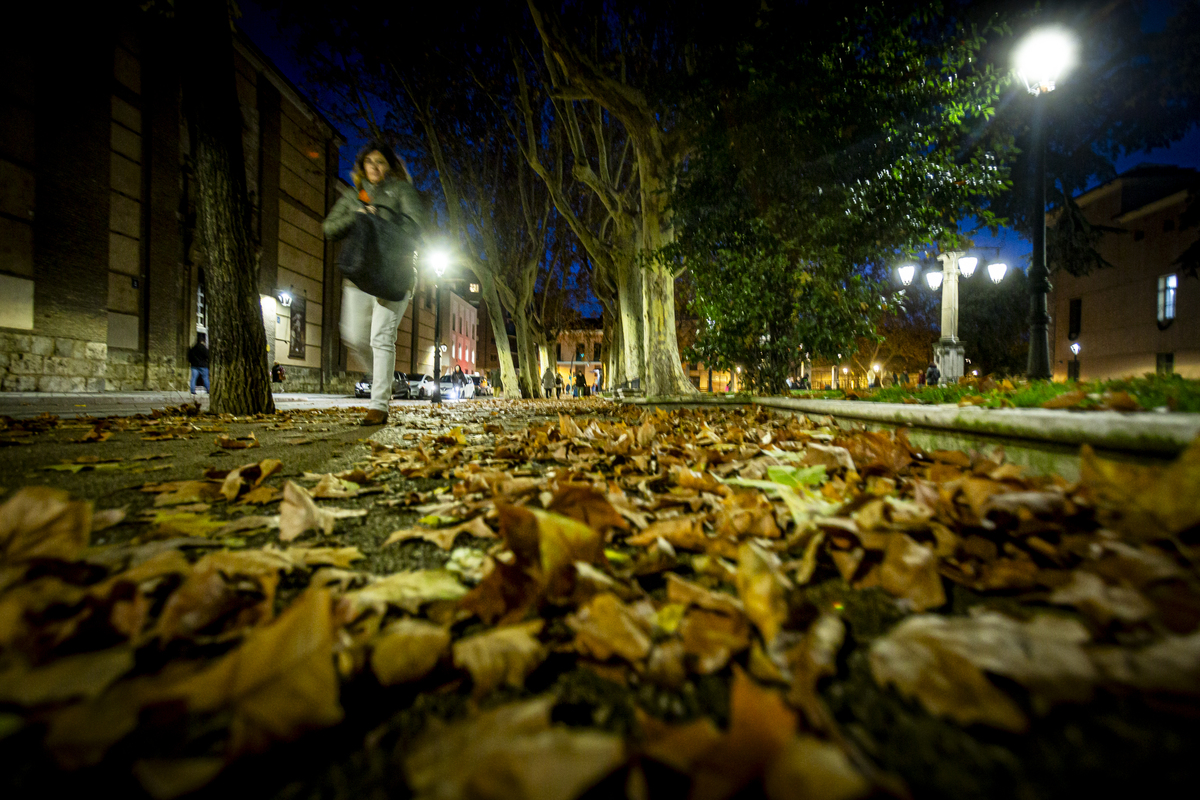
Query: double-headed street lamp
[[949, 354], [1041, 59]]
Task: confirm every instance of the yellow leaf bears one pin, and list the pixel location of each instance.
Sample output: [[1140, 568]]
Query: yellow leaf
[[763, 589], [279, 683], [503, 655], [38, 522], [408, 650], [81, 675], [405, 590], [606, 626], [811, 769]]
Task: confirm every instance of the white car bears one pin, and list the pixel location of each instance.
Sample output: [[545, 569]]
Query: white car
[[419, 385], [452, 392]]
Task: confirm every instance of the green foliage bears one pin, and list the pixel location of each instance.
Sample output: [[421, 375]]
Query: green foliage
[[993, 322], [1151, 391], [825, 146]]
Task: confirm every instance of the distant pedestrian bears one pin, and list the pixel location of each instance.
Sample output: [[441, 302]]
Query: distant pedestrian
[[558, 386], [198, 359], [548, 382], [277, 373], [580, 382], [904, 378], [932, 375], [599, 379]]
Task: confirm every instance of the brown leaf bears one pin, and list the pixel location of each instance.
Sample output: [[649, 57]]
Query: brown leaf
[[1101, 602], [408, 591], [503, 655], [811, 769], [677, 746], [279, 683], [38, 522], [331, 487], [341, 557], [248, 475], [910, 571], [167, 778], [688, 593], [408, 650], [941, 661], [1066, 400], [299, 513], [240, 443], [1145, 502], [588, 506], [711, 639], [763, 589], [606, 626], [813, 658], [443, 537], [760, 728], [685, 533], [183, 492], [510, 752]]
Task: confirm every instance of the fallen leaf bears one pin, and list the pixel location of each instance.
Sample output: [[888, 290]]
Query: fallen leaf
[[279, 683], [941, 661], [240, 443], [510, 752], [808, 768], [405, 590], [183, 492], [711, 639], [38, 522], [909, 571], [298, 513], [1170, 665], [1145, 502], [1066, 400], [502, 655], [442, 537], [408, 650], [167, 778], [688, 593], [81, 675], [261, 495], [677, 746], [763, 589], [248, 475], [588, 506], [606, 626], [1089, 593], [341, 557], [685, 533]]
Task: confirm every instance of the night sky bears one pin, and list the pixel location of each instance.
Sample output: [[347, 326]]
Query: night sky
[[1015, 249]]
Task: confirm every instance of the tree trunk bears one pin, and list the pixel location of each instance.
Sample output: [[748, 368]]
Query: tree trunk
[[664, 373], [631, 320], [545, 352], [508, 375], [526, 355], [241, 381]]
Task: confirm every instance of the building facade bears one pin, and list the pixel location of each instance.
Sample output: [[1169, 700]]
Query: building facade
[[1142, 315], [102, 277]]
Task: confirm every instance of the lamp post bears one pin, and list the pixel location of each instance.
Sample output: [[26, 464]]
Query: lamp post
[[439, 260], [949, 353], [1074, 366], [1041, 59]]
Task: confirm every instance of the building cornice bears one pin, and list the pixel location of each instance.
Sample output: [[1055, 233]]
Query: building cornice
[[1150, 208]]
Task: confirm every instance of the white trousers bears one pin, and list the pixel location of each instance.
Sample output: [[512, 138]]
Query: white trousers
[[368, 327]]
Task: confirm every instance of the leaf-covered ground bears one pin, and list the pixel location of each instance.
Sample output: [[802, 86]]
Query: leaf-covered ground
[[1148, 393], [565, 599]]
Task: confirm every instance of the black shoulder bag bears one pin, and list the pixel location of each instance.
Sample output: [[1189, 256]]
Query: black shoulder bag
[[379, 255]]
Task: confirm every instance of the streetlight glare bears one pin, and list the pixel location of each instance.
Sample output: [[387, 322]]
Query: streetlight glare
[[966, 265], [1075, 348], [906, 273], [996, 271], [934, 279], [1043, 57], [439, 260]]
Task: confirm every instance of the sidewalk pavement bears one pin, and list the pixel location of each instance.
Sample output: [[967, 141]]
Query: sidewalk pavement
[[67, 405]]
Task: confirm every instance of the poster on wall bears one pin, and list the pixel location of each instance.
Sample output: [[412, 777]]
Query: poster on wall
[[296, 344]]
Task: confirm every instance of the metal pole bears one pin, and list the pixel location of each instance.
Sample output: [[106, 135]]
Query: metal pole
[[1039, 275], [436, 397]]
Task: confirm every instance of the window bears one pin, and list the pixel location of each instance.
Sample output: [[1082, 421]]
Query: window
[[558, 352], [1074, 317], [579, 352], [596, 351], [1164, 363], [1168, 285], [473, 288]]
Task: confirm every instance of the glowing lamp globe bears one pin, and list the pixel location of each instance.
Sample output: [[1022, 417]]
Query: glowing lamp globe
[[966, 265], [1043, 57], [439, 260], [906, 273], [996, 271], [934, 279]]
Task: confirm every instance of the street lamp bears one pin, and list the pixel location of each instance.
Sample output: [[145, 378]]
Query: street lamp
[[966, 265], [934, 279], [906, 273], [1074, 367], [439, 260], [996, 271], [1041, 59]]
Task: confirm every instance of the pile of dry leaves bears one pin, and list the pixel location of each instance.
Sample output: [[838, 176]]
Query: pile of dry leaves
[[649, 548]]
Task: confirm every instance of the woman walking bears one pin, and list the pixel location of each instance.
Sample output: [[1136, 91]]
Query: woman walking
[[369, 323]]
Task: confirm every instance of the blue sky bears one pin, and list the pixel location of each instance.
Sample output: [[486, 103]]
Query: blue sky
[[1015, 249]]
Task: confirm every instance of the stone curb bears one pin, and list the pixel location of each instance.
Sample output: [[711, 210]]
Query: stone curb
[[1139, 432]]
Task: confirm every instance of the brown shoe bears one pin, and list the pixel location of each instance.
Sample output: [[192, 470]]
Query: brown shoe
[[374, 417]]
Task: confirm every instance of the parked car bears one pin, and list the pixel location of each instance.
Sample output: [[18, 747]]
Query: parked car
[[399, 386], [451, 392], [419, 385]]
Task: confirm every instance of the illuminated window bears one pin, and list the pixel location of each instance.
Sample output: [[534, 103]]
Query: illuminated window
[[1168, 285], [473, 288]]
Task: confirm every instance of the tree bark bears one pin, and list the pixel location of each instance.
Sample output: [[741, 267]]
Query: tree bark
[[241, 381], [508, 375]]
